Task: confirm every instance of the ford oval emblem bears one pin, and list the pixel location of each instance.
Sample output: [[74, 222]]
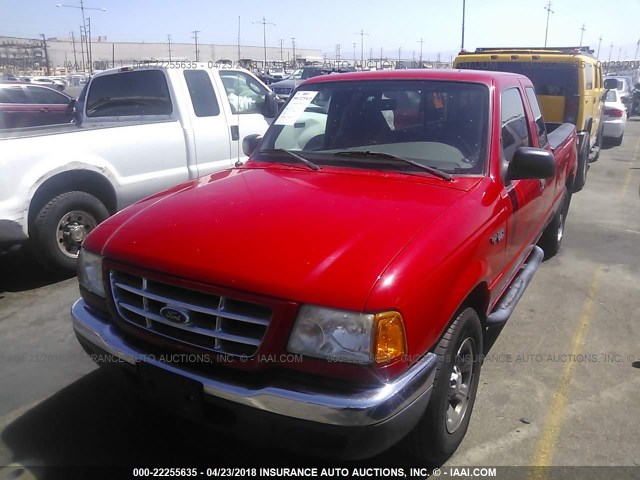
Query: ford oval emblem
[[175, 315]]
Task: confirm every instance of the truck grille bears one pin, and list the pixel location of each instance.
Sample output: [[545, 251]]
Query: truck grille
[[217, 323]]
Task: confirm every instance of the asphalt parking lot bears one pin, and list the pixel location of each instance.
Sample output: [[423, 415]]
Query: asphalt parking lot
[[561, 385]]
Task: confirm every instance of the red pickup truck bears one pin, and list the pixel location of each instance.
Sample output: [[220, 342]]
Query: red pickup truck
[[334, 294]]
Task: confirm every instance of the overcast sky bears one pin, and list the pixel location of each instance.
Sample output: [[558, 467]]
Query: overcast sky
[[322, 24]]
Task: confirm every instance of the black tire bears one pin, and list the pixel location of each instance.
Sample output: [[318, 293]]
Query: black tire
[[61, 226], [583, 165], [551, 238], [599, 141], [435, 439]]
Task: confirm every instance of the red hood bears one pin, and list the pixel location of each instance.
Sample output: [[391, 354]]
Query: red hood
[[284, 232]]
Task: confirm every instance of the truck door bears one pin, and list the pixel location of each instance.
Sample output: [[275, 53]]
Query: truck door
[[246, 97], [211, 135], [526, 196]]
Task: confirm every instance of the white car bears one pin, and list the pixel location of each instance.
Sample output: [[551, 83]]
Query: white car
[[49, 82], [614, 117]]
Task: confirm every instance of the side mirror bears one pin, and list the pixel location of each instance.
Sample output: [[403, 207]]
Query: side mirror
[[250, 143], [611, 84], [270, 106], [529, 162]]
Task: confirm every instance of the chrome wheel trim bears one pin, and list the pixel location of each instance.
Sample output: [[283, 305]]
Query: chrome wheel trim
[[72, 229], [460, 385]]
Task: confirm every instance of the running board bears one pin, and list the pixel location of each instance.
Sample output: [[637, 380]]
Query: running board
[[509, 300]]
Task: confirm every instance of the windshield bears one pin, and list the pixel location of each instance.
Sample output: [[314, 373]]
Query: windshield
[[548, 78], [437, 124]]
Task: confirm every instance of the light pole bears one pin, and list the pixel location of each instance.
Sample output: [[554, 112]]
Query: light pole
[[464, 7], [362, 34], [264, 38], [84, 24], [293, 44], [637, 48], [421, 42], [582, 30], [546, 32], [609, 61]]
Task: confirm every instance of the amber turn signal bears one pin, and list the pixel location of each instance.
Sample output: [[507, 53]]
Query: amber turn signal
[[390, 342]]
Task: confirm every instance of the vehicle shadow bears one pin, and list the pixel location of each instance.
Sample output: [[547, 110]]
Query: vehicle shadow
[[100, 421], [19, 271]]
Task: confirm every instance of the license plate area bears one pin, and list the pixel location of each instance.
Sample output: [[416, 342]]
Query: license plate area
[[173, 392]]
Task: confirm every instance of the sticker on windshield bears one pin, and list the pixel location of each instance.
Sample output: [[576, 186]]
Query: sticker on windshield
[[295, 108]]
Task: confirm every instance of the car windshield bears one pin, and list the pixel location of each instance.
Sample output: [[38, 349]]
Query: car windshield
[[437, 124], [611, 96]]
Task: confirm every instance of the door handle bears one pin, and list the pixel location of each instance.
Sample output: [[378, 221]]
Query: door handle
[[235, 133]]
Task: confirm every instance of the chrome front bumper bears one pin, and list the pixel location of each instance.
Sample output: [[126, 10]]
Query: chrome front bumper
[[408, 394]]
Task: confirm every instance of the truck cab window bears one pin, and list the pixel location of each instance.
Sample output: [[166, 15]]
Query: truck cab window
[[514, 123], [244, 93], [140, 92], [203, 98], [541, 129]]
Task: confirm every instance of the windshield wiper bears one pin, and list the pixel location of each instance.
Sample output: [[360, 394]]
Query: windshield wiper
[[366, 153], [301, 159]]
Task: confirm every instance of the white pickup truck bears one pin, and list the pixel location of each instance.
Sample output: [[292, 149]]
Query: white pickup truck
[[137, 131]]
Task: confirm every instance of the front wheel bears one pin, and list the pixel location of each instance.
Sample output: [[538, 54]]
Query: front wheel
[[62, 225], [446, 418]]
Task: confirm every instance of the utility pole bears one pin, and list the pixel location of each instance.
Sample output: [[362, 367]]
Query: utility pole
[[84, 27], [82, 49], [89, 47], [399, 54], [599, 43], [113, 55], [46, 53], [293, 44], [464, 7], [609, 61], [281, 43], [264, 38], [75, 57], [421, 42], [549, 12], [619, 52], [169, 42], [582, 34], [354, 54], [362, 34], [338, 46], [637, 48], [195, 37], [238, 40]]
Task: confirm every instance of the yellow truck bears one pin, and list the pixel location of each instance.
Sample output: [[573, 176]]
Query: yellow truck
[[569, 85]]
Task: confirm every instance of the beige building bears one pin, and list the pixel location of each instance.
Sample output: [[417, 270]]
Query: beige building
[[24, 55]]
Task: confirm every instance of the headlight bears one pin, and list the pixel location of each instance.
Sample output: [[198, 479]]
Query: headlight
[[344, 336], [90, 272]]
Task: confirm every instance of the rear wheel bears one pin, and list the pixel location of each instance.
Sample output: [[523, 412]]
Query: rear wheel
[[554, 233], [583, 164], [446, 418], [62, 225]]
